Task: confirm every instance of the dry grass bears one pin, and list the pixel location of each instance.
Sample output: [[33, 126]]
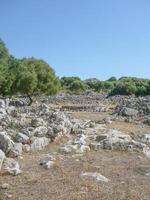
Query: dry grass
[[64, 180]]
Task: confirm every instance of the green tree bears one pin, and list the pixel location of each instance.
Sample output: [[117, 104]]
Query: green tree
[[77, 85], [113, 78], [46, 80], [4, 54], [4, 71]]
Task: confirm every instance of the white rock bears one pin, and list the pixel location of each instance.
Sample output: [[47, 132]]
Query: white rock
[[145, 138], [107, 120], [5, 142], [39, 143], [80, 139], [26, 148], [146, 151], [40, 131], [115, 140], [2, 157], [22, 138], [5, 186], [16, 150], [96, 175], [11, 166], [83, 149], [37, 122], [9, 196], [47, 161], [68, 149]]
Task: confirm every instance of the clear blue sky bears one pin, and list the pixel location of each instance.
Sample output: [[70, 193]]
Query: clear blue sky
[[86, 38]]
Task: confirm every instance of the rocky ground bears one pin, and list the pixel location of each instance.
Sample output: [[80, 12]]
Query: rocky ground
[[75, 147]]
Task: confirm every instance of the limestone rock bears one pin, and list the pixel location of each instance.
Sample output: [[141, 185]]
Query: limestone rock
[[40, 131], [2, 157], [5, 186], [6, 144], [11, 166], [16, 150], [22, 138], [129, 111], [96, 175], [47, 161], [26, 148], [39, 143]]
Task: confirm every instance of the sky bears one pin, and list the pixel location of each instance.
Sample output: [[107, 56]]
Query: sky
[[85, 38]]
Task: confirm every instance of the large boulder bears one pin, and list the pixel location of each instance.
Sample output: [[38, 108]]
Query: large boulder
[[6, 144], [129, 112], [29, 131], [40, 131], [11, 166], [114, 140], [145, 139], [22, 138], [16, 150], [2, 157], [36, 122], [38, 143], [58, 124], [59, 118], [43, 109], [26, 147]]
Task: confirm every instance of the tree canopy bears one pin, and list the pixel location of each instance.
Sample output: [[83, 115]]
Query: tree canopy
[[25, 76]]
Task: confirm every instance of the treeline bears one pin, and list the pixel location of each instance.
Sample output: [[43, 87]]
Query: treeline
[[112, 86], [34, 76], [25, 76]]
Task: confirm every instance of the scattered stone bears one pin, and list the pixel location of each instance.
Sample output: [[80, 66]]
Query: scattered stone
[[9, 196], [67, 149], [95, 146], [82, 149], [47, 161], [5, 186], [96, 175], [107, 120]]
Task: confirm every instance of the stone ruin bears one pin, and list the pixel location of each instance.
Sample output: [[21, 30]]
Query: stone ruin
[[32, 128]]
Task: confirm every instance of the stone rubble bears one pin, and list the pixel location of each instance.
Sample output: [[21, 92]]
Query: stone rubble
[[32, 128], [134, 108]]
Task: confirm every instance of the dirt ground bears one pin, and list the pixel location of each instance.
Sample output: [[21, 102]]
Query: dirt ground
[[129, 173]]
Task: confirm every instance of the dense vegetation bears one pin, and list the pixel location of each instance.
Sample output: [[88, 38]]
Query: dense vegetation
[[33, 76], [25, 76], [123, 86]]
